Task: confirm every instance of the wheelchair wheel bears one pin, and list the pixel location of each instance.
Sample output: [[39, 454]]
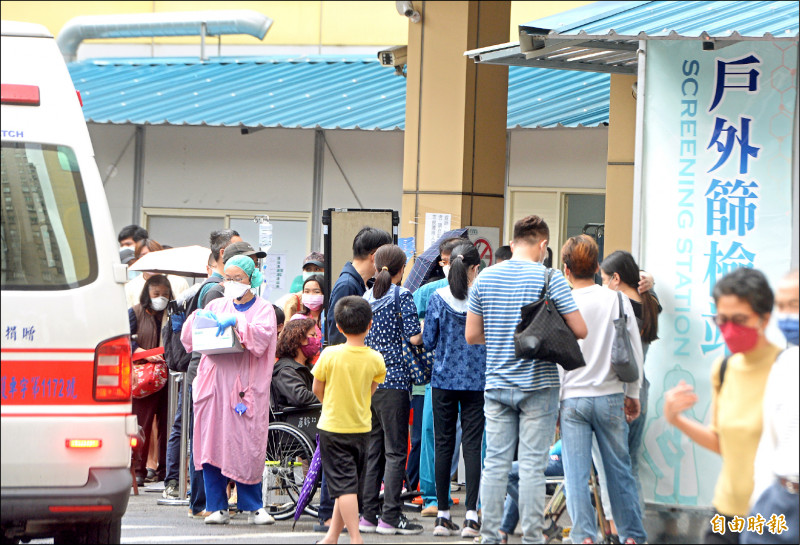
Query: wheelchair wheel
[[289, 453]]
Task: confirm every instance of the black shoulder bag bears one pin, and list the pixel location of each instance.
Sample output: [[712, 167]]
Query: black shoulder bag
[[542, 333]]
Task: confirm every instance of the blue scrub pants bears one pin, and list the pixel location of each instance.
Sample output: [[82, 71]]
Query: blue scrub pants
[[248, 495]]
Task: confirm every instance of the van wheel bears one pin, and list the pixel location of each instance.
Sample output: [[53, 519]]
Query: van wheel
[[92, 533]]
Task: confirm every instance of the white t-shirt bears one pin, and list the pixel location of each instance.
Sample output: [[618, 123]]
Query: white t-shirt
[[599, 307], [778, 451]]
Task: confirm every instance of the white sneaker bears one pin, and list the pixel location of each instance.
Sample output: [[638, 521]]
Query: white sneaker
[[218, 517], [260, 516]]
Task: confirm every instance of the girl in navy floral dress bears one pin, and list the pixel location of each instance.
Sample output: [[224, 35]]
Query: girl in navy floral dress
[[458, 379], [394, 322]]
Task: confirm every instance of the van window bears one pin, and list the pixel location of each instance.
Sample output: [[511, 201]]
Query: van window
[[47, 237]]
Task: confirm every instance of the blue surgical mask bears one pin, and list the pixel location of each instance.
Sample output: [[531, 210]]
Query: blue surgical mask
[[789, 324], [133, 274]]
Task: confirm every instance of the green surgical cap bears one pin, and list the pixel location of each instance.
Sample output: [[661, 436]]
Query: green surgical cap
[[246, 264]]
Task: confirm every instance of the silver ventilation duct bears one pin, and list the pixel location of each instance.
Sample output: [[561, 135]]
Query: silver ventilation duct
[[183, 23]]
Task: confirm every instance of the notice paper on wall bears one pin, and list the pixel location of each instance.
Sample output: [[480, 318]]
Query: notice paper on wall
[[435, 226], [275, 272]]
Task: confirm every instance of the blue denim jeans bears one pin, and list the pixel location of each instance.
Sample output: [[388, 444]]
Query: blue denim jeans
[[635, 434], [527, 417], [511, 508], [174, 442], [775, 500], [605, 417]]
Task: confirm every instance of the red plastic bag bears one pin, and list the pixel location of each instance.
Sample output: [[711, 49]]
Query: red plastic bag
[[148, 377]]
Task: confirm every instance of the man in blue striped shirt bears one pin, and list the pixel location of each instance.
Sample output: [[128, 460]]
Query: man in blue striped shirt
[[521, 400]]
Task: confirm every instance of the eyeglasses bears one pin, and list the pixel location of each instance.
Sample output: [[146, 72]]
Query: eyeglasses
[[736, 319], [239, 279]]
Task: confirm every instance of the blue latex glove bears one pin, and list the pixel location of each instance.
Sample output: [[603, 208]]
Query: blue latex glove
[[207, 314], [177, 321], [224, 321]]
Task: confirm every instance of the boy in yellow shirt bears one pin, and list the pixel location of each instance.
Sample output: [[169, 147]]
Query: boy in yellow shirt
[[345, 377]]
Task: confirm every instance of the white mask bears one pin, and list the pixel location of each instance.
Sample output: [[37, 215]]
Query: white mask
[[159, 303], [446, 270], [235, 290]]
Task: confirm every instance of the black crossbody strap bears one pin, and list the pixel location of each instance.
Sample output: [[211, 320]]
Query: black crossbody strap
[[722, 369], [546, 285]]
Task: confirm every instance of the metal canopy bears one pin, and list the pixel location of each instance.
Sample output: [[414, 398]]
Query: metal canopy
[[604, 37], [319, 92], [562, 54]]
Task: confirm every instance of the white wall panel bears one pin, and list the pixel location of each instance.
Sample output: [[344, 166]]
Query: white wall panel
[[109, 142], [219, 168], [559, 158], [272, 169], [372, 161]]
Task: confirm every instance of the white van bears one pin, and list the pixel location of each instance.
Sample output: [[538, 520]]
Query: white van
[[66, 355]]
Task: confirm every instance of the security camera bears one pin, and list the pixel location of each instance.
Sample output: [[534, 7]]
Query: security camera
[[407, 9], [394, 56]]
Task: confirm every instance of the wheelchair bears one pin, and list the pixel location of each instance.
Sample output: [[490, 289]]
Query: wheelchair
[[557, 505], [290, 446]]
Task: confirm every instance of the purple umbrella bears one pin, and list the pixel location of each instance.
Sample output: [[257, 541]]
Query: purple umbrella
[[309, 483], [426, 262]]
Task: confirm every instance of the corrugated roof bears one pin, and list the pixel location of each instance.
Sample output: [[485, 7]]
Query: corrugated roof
[[604, 36], [307, 92], [717, 19]]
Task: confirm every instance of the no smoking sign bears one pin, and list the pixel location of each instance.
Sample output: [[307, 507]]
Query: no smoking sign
[[485, 251]]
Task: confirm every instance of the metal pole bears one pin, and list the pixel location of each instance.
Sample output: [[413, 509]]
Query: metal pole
[[174, 383], [638, 161], [316, 198], [185, 404], [138, 175], [172, 406], [203, 30]]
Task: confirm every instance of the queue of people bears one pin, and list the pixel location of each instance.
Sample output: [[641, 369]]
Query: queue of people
[[505, 408]]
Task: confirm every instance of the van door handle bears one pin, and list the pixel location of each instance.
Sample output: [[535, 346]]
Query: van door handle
[[120, 273]]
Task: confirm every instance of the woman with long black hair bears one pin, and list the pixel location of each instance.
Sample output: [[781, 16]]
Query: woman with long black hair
[[621, 273], [146, 319], [394, 322], [457, 383]]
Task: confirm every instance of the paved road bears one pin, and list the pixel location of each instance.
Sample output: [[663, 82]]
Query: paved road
[[147, 522]]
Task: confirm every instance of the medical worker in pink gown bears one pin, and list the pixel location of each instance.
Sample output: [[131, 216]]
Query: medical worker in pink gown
[[231, 395]]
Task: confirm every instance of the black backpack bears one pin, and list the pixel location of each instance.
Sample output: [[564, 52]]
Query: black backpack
[[175, 354]]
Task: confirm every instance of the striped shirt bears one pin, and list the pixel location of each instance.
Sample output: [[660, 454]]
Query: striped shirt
[[497, 295]]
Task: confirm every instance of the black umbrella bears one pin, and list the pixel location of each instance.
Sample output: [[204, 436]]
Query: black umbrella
[[426, 262]]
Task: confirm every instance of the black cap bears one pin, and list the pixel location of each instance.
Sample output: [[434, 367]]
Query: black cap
[[241, 248]]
